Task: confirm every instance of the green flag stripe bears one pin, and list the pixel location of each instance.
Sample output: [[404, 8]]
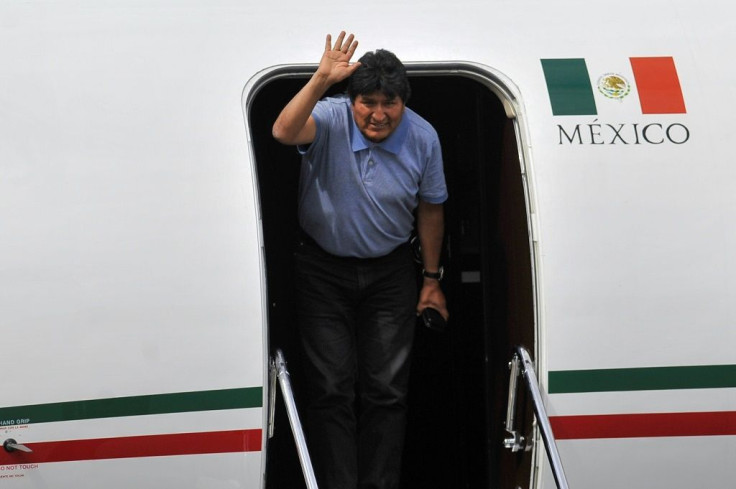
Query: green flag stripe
[[640, 379], [181, 402], [568, 84]]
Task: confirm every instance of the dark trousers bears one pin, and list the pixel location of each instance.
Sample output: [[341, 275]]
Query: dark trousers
[[356, 320]]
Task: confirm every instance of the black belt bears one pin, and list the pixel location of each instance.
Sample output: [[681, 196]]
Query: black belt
[[306, 239]]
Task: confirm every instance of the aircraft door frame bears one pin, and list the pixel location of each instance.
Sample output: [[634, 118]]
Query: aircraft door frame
[[517, 167]]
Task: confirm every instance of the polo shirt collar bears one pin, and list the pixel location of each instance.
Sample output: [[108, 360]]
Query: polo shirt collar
[[392, 144]]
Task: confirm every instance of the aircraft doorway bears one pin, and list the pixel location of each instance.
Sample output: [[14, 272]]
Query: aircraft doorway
[[459, 377]]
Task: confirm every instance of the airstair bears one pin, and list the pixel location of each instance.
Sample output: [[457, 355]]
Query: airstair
[[521, 365]]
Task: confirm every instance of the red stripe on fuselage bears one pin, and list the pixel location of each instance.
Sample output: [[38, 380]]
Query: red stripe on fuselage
[[137, 446], [644, 425]]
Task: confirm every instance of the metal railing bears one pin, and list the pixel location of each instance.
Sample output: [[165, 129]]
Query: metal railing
[[522, 363], [279, 372]]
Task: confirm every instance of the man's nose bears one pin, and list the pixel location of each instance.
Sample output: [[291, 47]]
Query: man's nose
[[379, 114]]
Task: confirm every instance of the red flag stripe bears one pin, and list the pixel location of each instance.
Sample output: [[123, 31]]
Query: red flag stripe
[[136, 446], [644, 425], [658, 85]]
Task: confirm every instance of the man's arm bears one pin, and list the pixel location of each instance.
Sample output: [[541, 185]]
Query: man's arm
[[295, 124], [431, 228]]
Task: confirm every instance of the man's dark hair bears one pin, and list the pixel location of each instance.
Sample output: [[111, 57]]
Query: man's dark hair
[[380, 71]]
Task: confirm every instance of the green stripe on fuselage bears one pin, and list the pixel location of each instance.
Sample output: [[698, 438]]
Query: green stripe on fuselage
[[181, 402], [641, 379]]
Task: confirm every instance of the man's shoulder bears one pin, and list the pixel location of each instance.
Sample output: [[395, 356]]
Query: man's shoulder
[[420, 126], [338, 102], [332, 108]]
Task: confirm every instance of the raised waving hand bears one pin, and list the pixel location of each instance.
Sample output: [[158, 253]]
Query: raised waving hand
[[295, 125], [335, 63]]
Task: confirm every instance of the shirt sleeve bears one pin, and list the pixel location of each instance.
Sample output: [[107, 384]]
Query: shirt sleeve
[[433, 188], [322, 116]]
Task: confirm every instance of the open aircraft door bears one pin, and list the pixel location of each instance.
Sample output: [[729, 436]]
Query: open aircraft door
[[460, 377]]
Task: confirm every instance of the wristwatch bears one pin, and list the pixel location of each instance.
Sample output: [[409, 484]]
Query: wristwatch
[[435, 275]]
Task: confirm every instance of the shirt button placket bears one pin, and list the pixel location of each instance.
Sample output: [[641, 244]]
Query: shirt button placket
[[368, 175]]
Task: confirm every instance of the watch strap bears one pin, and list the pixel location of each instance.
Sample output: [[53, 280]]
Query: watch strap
[[435, 275]]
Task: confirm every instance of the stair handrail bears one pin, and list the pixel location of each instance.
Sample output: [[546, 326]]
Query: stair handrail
[[279, 371], [522, 363]]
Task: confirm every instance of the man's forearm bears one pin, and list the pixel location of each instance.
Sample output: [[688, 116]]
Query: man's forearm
[[291, 122], [431, 229]]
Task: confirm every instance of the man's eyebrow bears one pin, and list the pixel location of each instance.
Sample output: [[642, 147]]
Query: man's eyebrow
[[375, 98]]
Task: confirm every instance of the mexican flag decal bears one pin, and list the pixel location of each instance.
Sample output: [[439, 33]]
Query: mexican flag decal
[[571, 89]]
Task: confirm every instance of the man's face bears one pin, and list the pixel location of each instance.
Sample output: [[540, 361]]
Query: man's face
[[377, 116]]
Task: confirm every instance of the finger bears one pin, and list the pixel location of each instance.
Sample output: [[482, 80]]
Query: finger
[[353, 67], [423, 305], [338, 43], [444, 313], [352, 49], [441, 309], [348, 44], [328, 43]]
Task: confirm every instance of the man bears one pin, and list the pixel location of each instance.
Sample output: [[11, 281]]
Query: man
[[368, 164]]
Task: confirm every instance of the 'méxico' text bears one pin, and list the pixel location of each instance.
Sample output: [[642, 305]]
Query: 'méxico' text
[[622, 133]]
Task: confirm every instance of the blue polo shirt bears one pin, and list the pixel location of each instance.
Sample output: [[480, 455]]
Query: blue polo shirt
[[356, 197]]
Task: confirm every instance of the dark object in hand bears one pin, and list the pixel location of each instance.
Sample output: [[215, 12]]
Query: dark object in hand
[[433, 319]]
